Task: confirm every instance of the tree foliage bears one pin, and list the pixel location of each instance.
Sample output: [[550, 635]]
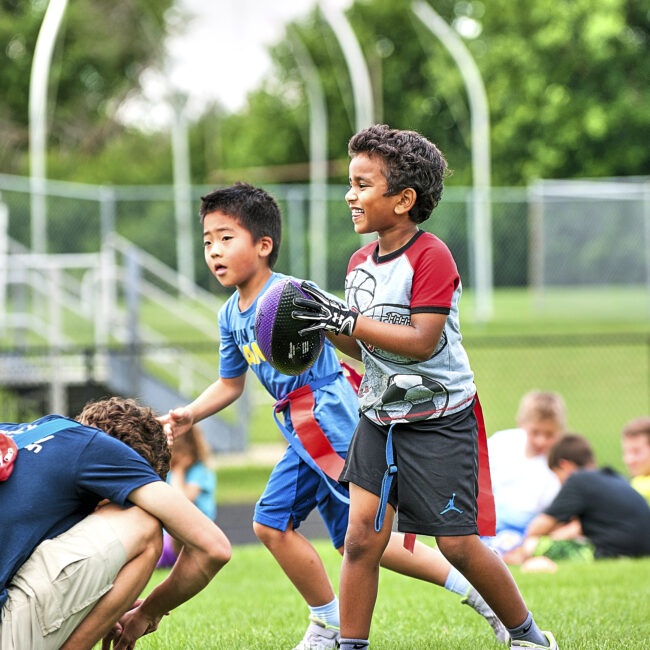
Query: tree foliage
[[102, 48], [566, 82]]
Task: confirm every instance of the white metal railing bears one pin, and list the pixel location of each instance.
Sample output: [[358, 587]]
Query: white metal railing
[[52, 290]]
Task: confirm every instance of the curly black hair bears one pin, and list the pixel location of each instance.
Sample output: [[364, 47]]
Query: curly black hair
[[253, 208], [410, 160]]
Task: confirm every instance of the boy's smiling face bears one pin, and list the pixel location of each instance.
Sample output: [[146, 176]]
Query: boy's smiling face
[[371, 209], [229, 250]]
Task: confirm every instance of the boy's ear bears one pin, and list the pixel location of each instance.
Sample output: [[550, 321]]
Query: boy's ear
[[265, 246], [407, 198]]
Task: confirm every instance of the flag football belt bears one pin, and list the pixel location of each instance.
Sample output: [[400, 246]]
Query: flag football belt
[[486, 518], [309, 440], [12, 441]]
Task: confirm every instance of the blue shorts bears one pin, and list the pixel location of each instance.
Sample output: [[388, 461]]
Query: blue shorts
[[293, 490]]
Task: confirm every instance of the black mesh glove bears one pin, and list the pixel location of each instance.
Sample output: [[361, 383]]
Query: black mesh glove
[[325, 314]]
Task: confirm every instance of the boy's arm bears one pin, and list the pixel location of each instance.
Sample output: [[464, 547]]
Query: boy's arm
[[346, 344], [205, 548], [215, 397], [542, 524], [418, 340]]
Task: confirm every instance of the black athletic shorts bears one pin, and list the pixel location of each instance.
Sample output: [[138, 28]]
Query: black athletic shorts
[[436, 485]]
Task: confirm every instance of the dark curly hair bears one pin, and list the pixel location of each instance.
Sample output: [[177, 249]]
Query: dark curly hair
[[410, 160], [252, 207], [136, 426]]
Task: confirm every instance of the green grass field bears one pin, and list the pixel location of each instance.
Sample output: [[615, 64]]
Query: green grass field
[[252, 605]]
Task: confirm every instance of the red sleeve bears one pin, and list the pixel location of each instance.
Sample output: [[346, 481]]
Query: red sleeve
[[358, 257], [435, 276]]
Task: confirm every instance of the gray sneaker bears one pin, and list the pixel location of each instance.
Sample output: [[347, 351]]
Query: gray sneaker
[[476, 602], [319, 636], [552, 643]]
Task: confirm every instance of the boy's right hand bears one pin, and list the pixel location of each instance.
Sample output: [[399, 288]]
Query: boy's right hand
[[176, 422]]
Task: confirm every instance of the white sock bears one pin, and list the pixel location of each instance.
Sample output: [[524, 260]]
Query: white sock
[[329, 613], [456, 582]]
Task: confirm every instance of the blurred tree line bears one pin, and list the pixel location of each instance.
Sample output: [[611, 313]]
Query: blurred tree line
[[101, 51], [566, 82]]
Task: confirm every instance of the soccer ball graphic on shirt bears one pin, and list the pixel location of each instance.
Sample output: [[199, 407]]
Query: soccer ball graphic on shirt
[[412, 397]]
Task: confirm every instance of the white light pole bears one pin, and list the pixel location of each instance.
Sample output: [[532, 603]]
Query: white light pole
[[317, 164], [364, 109], [38, 119], [480, 130], [357, 68], [182, 193]]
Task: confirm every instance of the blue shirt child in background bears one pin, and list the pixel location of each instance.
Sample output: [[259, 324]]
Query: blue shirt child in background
[[189, 473]]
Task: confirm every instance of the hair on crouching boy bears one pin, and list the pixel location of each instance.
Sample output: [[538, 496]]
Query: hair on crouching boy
[[410, 161], [255, 210], [134, 425]]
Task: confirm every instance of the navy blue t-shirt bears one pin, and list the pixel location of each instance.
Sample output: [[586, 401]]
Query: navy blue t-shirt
[[614, 516], [56, 482]]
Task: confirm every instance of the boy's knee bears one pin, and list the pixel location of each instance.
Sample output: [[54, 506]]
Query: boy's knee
[[455, 549], [151, 531], [139, 531], [220, 549], [362, 541], [267, 535]]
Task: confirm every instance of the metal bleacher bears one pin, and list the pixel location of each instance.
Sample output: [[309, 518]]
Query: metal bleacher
[[74, 326]]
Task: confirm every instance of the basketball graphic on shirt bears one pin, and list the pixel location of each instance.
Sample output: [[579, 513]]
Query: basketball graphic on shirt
[[360, 289], [412, 397]]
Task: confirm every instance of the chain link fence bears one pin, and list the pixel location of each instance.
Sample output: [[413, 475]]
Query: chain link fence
[[546, 240]]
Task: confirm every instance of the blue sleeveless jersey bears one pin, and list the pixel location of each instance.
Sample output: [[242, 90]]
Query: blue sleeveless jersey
[[335, 404]]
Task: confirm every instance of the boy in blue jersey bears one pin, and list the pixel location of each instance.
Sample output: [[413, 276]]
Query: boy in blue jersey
[[241, 233], [420, 443], [72, 564]]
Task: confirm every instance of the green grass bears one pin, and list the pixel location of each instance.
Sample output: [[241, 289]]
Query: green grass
[[241, 483], [252, 605]]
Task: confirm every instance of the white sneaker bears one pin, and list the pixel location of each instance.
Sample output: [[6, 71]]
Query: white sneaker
[[476, 602], [319, 636], [552, 643]]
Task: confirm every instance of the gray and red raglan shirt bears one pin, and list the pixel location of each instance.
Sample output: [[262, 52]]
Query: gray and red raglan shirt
[[420, 277]]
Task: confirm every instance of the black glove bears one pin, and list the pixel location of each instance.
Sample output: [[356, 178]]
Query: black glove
[[326, 314]]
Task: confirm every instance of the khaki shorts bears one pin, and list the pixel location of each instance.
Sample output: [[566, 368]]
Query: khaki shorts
[[59, 584]]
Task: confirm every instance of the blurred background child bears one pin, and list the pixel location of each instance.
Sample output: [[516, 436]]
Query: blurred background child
[[522, 482], [190, 474], [613, 516], [636, 453]]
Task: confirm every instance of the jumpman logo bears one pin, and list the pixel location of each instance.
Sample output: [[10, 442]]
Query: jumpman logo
[[450, 505]]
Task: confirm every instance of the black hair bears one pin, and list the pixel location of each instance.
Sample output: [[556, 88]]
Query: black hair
[[252, 207], [410, 160]]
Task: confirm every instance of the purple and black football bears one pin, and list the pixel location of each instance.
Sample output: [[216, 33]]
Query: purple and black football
[[276, 330]]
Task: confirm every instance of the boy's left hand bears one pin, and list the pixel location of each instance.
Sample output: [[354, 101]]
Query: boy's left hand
[[326, 314]]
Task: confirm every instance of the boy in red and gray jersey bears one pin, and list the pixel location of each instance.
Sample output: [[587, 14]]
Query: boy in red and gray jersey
[[419, 442]]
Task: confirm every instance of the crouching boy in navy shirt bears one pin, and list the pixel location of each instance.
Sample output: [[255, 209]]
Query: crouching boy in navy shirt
[[71, 564]]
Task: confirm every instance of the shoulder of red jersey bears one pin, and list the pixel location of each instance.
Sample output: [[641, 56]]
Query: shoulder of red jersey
[[362, 254]]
